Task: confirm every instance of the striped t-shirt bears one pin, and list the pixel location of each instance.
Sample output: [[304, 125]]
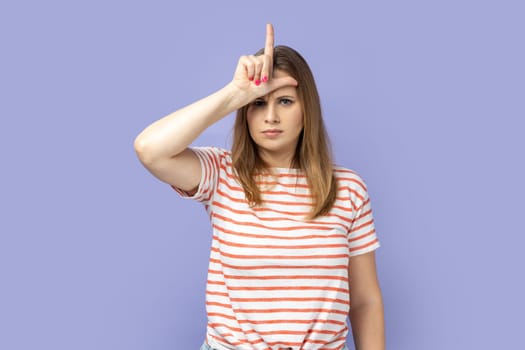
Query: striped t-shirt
[[276, 280]]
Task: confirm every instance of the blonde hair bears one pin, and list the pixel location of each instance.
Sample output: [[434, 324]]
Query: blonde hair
[[313, 153]]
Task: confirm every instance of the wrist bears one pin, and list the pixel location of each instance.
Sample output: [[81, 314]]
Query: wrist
[[235, 98]]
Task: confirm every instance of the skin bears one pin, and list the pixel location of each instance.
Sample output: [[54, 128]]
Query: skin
[[162, 148], [366, 314], [280, 110]]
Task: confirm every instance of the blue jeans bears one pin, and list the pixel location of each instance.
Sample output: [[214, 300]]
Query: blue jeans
[[205, 346]]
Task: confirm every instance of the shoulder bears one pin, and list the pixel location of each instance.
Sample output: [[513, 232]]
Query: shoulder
[[350, 184], [215, 160]]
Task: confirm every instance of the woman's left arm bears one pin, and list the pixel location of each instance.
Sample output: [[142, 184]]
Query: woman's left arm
[[366, 312]]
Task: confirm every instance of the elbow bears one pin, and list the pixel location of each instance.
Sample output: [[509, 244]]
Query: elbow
[[139, 144], [370, 297], [144, 150], [372, 301]]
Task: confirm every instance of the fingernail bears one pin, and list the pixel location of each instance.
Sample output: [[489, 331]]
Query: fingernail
[[257, 82], [250, 78], [265, 79]]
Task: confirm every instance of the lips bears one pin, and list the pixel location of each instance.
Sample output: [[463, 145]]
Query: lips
[[272, 132]]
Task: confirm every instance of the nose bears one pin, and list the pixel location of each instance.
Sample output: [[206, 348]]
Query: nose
[[271, 115]]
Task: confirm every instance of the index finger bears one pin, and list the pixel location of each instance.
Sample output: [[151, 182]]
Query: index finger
[[268, 47]]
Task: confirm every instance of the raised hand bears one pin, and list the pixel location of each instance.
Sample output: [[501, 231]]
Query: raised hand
[[254, 74], [163, 146]]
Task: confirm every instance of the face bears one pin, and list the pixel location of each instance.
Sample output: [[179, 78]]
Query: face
[[275, 122]]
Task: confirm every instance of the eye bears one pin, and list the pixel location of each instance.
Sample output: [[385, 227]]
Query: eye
[[285, 101], [258, 103]]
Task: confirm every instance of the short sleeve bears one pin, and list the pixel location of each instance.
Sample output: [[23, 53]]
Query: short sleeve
[[362, 236], [210, 159]]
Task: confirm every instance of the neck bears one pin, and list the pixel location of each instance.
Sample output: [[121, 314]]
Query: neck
[[277, 159]]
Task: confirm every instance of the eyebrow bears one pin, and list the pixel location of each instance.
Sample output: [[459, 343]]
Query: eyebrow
[[278, 97], [287, 93]]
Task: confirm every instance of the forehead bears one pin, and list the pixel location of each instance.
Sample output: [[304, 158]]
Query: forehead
[[285, 90]]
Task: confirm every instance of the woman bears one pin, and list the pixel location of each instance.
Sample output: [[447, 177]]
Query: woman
[[293, 234]]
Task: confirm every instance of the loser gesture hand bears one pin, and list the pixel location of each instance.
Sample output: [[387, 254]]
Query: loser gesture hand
[[253, 76]]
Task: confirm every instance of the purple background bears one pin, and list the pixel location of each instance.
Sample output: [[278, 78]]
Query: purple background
[[424, 99]]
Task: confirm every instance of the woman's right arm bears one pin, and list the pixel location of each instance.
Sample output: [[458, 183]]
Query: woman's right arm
[[163, 146]]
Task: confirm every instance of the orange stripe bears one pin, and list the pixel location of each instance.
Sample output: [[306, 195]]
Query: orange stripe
[[362, 215], [258, 267], [233, 199], [362, 236], [364, 245], [209, 164], [345, 208], [223, 340], [298, 213], [254, 235], [270, 277], [344, 171], [310, 331], [236, 329], [244, 288], [340, 301], [222, 294], [250, 224], [357, 228], [264, 311], [349, 179], [267, 246], [280, 175], [231, 187], [274, 183], [284, 193], [220, 283], [219, 314], [303, 214], [225, 195], [351, 190], [327, 256], [230, 173]]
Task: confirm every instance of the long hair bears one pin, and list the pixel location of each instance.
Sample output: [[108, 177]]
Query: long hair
[[313, 154]]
